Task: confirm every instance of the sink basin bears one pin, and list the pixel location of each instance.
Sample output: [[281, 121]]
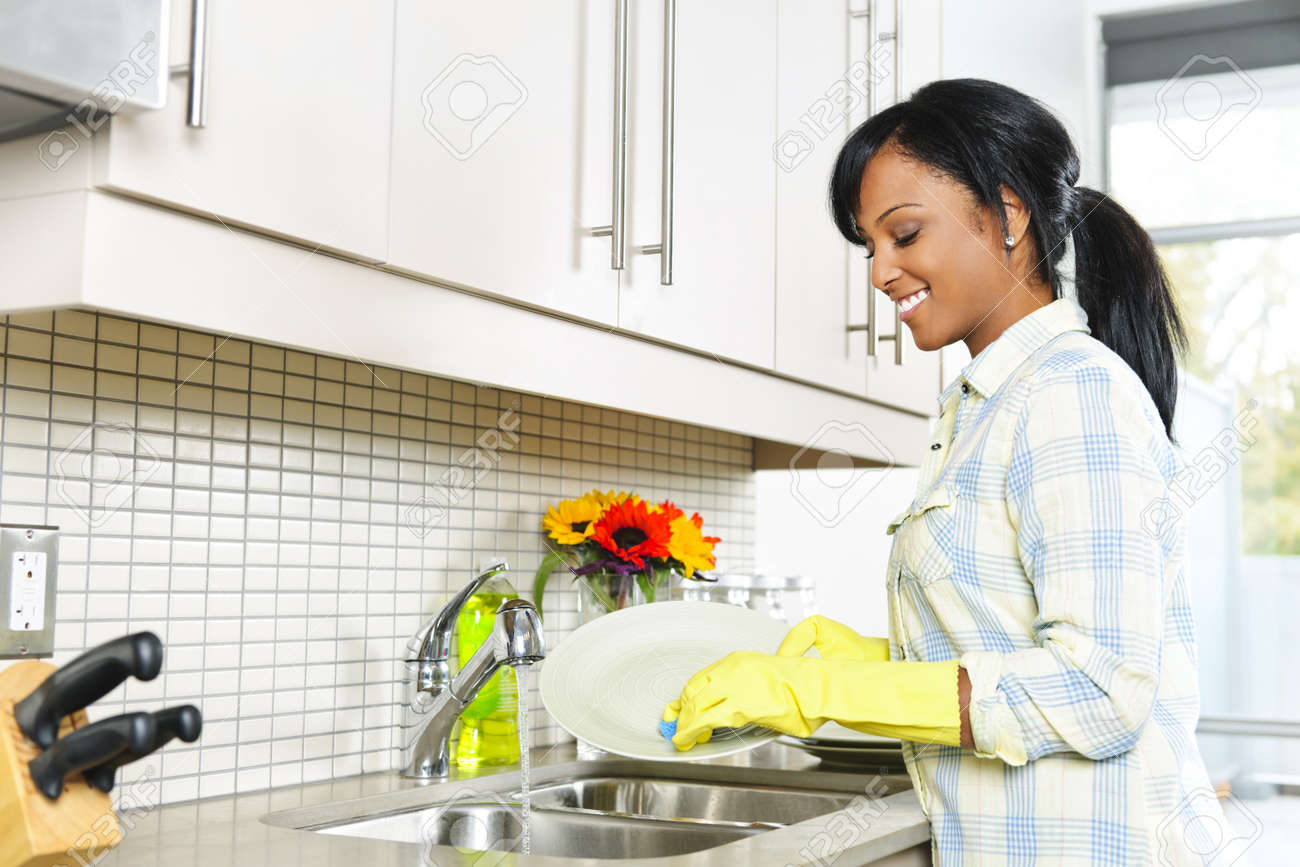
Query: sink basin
[[610, 809], [498, 826], [685, 799]]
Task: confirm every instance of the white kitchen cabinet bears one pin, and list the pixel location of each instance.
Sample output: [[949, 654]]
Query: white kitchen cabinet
[[723, 202], [820, 88], [830, 62], [503, 150], [913, 385], [297, 129]]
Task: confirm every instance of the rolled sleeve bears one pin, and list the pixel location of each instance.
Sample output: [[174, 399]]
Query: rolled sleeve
[[1084, 467], [994, 727]]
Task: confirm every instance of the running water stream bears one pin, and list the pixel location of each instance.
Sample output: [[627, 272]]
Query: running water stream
[[525, 798]]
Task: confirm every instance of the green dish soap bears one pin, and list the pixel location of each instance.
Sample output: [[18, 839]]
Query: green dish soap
[[489, 725]]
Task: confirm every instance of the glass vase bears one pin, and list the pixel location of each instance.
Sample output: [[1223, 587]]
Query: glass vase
[[602, 592]]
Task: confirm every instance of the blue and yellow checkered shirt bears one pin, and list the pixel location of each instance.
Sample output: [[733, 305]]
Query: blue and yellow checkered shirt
[[1034, 552]]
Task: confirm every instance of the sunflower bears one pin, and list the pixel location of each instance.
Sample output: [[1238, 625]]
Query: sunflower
[[688, 545], [631, 531], [570, 522], [609, 498]]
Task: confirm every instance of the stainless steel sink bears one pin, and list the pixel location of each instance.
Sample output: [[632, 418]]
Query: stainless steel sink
[[664, 798], [603, 810], [497, 826]]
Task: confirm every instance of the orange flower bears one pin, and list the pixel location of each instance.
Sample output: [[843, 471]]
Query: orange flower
[[668, 509], [631, 530]]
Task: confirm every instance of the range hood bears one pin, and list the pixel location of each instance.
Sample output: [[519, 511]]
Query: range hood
[[80, 61]]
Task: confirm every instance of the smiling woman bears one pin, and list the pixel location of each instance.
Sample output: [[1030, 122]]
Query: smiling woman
[[1042, 668]]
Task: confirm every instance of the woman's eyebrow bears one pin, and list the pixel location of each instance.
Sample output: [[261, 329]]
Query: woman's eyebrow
[[889, 211]]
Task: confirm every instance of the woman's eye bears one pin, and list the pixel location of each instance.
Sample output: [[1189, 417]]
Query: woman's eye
[[898, 242]]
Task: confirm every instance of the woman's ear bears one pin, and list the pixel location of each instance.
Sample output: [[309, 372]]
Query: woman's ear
[[1017, 214]]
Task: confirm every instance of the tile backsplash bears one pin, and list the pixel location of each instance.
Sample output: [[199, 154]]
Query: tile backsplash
[[284, 521]]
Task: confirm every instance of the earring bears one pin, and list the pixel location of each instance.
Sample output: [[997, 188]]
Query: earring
[[1011, 241]]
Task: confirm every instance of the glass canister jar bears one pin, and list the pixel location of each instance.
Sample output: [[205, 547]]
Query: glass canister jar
[[699, 590], [734, 589], [800, 597], [767, 595]]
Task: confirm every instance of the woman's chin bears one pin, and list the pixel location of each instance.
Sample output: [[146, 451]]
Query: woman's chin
[[920, 337]]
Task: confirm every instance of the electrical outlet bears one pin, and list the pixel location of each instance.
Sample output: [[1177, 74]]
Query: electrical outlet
[[27, 592], [29, 565]]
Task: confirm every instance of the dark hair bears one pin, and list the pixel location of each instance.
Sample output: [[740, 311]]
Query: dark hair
[[983, 134]]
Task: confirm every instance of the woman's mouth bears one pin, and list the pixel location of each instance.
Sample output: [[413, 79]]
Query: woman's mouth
[[909, 304]]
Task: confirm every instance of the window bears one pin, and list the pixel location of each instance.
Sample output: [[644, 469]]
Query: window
[[1203, 155]]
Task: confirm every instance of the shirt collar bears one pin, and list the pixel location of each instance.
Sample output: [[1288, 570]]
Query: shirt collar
[[987, 371]]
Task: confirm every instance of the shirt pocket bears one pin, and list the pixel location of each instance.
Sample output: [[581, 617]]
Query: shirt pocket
[[926, 534]]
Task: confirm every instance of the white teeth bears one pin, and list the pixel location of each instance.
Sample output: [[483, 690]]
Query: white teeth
[[912, 300]]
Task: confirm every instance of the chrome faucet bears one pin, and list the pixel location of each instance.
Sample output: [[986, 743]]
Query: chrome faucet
[[432, 700]]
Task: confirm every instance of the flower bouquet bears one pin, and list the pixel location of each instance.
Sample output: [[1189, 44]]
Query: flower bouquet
[[622, 548]]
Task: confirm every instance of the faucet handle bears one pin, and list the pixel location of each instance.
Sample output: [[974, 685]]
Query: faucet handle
[[519, 628]]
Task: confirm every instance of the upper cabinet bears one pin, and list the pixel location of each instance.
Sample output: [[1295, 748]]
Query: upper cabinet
[[701, 193], [839, 63], [504, 148], [911, 30], [820, 89], [635, 184], [296, 130]]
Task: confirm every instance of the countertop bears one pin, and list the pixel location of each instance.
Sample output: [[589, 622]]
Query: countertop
[[229, 831]]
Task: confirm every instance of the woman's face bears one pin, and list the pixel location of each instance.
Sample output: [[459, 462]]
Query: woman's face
[[925, 231]]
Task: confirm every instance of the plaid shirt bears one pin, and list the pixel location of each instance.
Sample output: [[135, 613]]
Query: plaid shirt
[[1026, 555]]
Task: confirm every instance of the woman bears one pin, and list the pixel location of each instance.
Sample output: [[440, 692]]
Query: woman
[[1041, 666]]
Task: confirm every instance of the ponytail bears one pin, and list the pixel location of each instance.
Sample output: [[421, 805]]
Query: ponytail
[[1124, 289]]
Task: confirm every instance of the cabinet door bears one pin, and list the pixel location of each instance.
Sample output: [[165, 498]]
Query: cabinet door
[[821, 87], [914, 385], [503, 148], [722, 294], [297, 128]]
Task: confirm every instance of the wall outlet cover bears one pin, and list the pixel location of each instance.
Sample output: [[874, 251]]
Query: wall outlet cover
[[29, 565]]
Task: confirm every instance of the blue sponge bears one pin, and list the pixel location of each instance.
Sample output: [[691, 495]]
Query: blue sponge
[[668, 729]]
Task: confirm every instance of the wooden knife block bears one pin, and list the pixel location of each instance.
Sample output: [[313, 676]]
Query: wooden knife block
[[37, 832]]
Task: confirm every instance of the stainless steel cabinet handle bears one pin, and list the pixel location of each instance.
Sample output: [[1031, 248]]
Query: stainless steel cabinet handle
[[897, 38], [884, 36], [665, 247], [874, 337], [869, 14], [196, 114], [617, 230], [670, 100], [197, 69]]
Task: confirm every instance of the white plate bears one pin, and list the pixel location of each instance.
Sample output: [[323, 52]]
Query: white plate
[[834, 734], [882, 754], [607, 682]]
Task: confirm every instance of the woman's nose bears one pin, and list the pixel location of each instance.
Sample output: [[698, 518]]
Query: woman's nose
[[884, 271]]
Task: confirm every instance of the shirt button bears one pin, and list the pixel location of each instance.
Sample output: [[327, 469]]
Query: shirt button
[[934, 447]]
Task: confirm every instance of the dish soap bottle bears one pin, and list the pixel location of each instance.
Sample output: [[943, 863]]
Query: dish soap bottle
[[489, 727]]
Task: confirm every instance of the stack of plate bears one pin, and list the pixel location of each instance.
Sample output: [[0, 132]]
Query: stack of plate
[[840, 746]]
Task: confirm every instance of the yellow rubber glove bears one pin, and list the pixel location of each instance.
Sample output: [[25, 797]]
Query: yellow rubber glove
[[915, 701], [833, 640]]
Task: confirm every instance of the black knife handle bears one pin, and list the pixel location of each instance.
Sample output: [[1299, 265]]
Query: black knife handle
[[89, 746], [90, 676], [184, 722]]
